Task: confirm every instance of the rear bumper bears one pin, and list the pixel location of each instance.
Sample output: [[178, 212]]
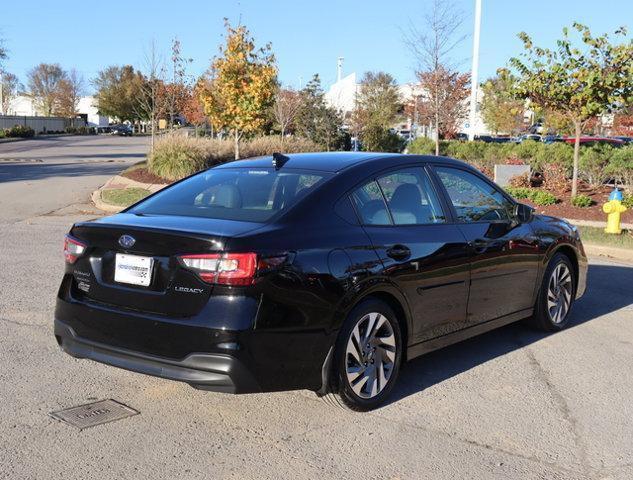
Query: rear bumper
[[205, 371]]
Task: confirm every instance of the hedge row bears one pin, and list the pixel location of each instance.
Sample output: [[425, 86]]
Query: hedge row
[[17, 131], [176, 156], [596, 164]]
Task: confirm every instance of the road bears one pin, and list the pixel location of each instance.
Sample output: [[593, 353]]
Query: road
[[511, 404], [63, 170]]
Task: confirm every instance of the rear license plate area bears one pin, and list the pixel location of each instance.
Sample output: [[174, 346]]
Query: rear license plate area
[[133, 269]]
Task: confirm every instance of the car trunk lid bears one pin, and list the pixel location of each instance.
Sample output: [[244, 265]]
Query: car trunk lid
[[153, 242]]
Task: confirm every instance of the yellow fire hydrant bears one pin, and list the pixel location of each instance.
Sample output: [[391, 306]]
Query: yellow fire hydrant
[[614, 210]]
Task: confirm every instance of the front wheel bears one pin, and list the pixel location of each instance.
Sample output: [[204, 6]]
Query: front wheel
[[556, 295], [367, 357]]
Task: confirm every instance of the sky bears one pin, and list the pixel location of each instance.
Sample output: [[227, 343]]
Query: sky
[[307, 37]]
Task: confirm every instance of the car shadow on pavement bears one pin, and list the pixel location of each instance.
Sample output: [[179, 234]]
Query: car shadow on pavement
[[37, 171], [610, 288]]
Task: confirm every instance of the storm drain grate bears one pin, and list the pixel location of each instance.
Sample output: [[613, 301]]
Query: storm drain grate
[[96, 413]]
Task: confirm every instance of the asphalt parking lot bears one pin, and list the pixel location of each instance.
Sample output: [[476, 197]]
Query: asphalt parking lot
[[509, 404]]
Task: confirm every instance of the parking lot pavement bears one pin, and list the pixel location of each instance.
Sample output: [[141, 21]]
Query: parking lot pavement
[[509, 404], [43, 175]]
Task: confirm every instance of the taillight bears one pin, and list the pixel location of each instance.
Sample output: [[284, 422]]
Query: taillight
[[225, 268], [73, 249]]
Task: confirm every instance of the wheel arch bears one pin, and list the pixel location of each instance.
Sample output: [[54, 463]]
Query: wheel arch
[[570, 252], [395, 299]]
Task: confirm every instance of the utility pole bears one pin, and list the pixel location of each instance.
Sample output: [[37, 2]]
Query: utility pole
[[474, 82], [339, 69]]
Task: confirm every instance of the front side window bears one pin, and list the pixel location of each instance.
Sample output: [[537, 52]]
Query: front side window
[[474, 199], [404, 197], [252, 195]]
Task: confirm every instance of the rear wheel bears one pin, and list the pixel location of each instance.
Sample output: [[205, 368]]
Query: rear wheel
[[367, 357], [556, 295]]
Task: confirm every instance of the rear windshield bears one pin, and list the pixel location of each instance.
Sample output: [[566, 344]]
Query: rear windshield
[[250, 195]]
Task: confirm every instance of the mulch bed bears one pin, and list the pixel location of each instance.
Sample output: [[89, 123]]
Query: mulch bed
[[565, 209], [144, 176]]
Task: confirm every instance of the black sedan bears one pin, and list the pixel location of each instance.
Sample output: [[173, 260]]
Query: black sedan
[[321, 271]]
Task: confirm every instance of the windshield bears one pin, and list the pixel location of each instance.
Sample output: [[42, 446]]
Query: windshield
[[251, 195]]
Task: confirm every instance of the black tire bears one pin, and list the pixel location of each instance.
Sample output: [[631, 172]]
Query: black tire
[[542, 318], [341, 392]]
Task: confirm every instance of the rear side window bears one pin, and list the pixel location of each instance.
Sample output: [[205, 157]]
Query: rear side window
[[370, 204], [404, 197], [252, 195]]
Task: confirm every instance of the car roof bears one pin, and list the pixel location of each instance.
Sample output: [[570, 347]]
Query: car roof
[[332, 161]]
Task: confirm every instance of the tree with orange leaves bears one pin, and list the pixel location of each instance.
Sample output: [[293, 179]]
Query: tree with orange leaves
[[240, 86]]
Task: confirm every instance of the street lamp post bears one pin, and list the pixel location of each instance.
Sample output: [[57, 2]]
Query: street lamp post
[[475, 72]]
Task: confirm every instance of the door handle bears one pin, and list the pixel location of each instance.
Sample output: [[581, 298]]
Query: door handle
[[399, 252], [479, 244]]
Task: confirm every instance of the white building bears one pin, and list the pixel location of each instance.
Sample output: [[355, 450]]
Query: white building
[[25, 106], [342, 96]]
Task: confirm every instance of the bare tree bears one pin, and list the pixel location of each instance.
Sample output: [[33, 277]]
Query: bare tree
[[175, 92], [149, 83], [9, 87], [287, 105], [432, 47], [3, 52], [44, 86], [70, 90]]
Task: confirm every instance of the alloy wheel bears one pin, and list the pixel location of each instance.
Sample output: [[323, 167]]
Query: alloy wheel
[[559, 293], [370, 355]]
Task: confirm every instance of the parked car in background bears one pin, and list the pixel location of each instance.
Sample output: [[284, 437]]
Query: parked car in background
[[552, 139], [320, 271], [589, 141], [530, 136], [494, 139], [122, 130], [626, 140]]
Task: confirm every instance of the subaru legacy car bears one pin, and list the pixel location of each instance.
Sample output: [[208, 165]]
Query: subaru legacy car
[[320, 271]]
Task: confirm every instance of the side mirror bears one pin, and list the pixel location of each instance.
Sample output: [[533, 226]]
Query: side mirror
[[523, 213]]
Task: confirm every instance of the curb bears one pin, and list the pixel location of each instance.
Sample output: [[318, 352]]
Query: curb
[[101, 205], [119, 181], [595, 223], [624, 254]]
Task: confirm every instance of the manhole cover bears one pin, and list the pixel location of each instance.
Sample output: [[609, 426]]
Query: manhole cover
[[95, 413]]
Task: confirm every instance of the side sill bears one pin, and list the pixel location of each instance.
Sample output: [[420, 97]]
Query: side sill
[[455, 337]]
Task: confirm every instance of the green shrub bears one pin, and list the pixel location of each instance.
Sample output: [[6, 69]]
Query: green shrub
[[539, 197], [19, 131], [628, 201], [2, 134], [378, 139], [176, 156], [582, 201], [422, 146], [467, 151], [559, 153], [519, 192], [620, 166], [592, 163], [528, 150], [543, 198]]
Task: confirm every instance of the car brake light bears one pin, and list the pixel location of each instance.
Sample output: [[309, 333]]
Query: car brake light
[[225, 269], [73, 249]]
